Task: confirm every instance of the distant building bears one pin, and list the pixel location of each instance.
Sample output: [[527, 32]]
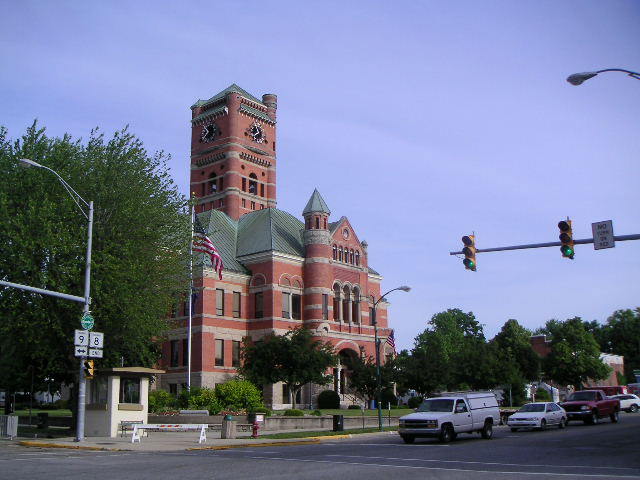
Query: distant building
[[280, 272]]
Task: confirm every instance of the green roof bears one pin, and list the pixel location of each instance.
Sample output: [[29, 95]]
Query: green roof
[[231, 88], [316, 204], [256, 113], [270, 229], [266, 230]]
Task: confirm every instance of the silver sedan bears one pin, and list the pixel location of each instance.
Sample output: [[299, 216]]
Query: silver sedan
[[538, 415]]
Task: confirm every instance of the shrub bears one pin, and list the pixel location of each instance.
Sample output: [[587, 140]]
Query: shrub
[[238, 395], [387, 397], [293, 412], [328, 399], [262, 409], [63, 404], [317, 413], [542, 395], [204, 399], [414, 402], [160, 400], [354, 407]]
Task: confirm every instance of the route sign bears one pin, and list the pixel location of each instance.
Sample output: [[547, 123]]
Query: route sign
[[603, 235], [81, 338], [96, 339], [81, 351], [95, 352], [87, 321]]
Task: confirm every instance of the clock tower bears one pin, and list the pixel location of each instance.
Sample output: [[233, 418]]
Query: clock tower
[[233, 152]]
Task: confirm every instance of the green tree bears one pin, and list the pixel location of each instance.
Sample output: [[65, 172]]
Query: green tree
[[363, 377], [575, 354], [238, 395], [139, 257], [450, 354], [622, 333], [294, 358]]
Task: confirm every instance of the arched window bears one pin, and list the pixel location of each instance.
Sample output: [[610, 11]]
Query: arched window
[[340, 254], [336, 302], [213, 185], [357, 257], [253, 184], [355, 310], [346, 303], [335, 252], [351, 257], [317, 223]]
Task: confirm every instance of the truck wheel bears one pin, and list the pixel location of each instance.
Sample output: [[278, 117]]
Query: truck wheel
[[487, 431], [543, 424], [446, 434], [594, 418], [408, 438], [614, 417], [633, 408], [563, 423]]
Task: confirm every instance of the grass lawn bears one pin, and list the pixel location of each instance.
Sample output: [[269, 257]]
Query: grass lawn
[[52, 413], [395, 412]]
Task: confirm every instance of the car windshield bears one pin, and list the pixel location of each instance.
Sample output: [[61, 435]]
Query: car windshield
[[436, 405], [532, 407], [578, 396]]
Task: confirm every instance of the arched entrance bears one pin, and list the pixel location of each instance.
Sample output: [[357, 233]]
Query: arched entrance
[[341, 373]]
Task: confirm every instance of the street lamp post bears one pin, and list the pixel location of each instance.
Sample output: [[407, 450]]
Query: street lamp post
[[374, 320], [579, 78], [87, 285]]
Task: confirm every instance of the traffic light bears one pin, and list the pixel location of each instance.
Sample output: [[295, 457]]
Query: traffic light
[[469, 251], [88, 369], [566, 238]]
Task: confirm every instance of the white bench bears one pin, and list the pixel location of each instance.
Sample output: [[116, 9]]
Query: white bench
[[168, 427]]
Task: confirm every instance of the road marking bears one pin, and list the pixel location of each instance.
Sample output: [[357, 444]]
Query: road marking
[[607, 476], [481, 463]]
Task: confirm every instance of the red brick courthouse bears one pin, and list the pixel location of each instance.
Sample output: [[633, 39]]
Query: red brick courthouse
[[280, 272]]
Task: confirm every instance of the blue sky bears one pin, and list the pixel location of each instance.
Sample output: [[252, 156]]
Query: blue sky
[[420, 121]]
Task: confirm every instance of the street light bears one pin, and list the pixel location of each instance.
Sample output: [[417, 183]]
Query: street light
[[579, 78], [79, 201], [374, 320]]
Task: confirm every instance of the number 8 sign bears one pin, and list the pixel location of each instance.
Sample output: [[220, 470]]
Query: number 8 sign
[[96, 340]]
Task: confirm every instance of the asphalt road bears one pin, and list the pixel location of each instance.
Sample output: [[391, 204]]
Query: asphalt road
[[603, 451]]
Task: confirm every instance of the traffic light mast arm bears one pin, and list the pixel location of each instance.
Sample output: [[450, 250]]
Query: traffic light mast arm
[[617, 238]]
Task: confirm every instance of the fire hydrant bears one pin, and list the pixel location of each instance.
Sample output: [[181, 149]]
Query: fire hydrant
[[256, 427]]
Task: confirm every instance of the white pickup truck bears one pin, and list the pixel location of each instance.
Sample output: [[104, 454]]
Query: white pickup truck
[[447, 416]]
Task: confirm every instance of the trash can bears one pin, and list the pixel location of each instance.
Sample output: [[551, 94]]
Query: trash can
[[228, 427], [338, 423], [43, 420]]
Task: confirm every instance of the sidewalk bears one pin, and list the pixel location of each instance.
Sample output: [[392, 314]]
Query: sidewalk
[[175, 441]]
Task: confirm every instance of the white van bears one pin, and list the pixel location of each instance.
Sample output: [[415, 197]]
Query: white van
[[447, 416]]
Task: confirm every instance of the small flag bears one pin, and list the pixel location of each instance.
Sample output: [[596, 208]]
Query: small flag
[[202, 243], [392, 342]]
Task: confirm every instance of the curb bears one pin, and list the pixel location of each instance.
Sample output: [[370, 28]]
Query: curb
[[31, 443]]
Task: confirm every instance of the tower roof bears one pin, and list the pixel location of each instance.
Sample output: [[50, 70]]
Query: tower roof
[[316, 204], [231, 88]]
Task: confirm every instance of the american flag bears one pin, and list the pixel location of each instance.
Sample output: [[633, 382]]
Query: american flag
[[392, 342], [202, 243]]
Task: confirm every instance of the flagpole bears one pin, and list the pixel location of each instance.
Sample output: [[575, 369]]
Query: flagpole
[[190, 301]]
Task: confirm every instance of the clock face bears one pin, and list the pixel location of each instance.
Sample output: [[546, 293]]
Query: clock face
[[256, 132], [209, 133]]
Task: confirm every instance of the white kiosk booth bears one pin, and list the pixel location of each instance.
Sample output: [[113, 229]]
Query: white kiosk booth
[[116, 396]]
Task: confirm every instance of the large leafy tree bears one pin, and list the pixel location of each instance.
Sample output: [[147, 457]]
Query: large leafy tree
[[450, 354], [363, 375], [294, 358], [621, 336], [139, 254], [517, 362], [575, 354]]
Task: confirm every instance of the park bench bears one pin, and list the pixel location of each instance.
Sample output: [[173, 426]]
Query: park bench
[[127, 425]]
